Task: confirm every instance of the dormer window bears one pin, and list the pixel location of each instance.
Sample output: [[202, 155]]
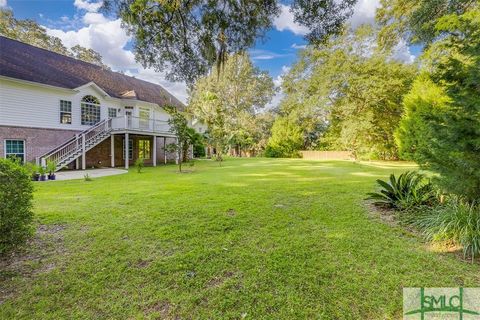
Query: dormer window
[[90, 110]]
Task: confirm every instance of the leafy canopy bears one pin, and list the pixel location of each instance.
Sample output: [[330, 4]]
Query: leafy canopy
[[348, 92], [415, 20], [186, 38], [229, 103]]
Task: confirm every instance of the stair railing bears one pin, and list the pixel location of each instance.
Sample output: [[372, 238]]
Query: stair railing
[[75, 144]]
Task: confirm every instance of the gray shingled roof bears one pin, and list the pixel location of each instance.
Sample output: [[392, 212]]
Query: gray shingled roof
[[22, 61]]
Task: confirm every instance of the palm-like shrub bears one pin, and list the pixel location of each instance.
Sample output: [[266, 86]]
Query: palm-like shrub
[[457, 221], [409, 190]]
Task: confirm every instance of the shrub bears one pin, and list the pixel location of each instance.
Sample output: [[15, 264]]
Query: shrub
[[139, 164], [411, 189], [457, 221], [16, 214]]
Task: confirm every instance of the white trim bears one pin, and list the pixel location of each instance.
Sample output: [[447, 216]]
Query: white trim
[[95, 86], [60, 112], [37, 84], [106, 96]]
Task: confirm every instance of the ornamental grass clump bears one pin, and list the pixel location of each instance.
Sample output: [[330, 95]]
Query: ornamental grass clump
[[457, 221]]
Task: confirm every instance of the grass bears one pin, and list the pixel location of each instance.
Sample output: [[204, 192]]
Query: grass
[[253, 239]]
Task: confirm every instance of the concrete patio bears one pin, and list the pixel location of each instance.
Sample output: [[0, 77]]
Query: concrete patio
[[93, 173]]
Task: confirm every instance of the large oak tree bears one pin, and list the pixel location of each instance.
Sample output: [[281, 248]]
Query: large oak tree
[[186, 38]]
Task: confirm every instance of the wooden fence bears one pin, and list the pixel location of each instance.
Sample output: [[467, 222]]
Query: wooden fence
[[327, 155]]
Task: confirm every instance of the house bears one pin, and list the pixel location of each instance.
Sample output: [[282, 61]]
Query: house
[[79, 115]]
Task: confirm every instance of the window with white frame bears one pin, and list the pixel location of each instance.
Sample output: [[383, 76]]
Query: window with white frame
[[65, 112], [15, 149], [144, 149], [112, 112], [90, 110], [144, 114], [130, 149]]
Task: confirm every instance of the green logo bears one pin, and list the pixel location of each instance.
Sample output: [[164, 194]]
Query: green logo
[[441, 303]]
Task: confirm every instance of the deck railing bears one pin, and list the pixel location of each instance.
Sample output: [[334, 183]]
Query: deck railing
[[140, 124]]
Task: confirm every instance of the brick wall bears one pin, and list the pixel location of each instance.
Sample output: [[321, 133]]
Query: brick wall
[[37, 141]]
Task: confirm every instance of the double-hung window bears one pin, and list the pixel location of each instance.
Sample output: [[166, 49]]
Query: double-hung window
[[112, 112], [15, 149], [65, 112], [90, 110]]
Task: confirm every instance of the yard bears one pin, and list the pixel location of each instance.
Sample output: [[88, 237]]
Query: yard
[[253, 239]]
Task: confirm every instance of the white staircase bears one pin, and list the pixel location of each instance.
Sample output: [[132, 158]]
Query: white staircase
[[78, 145]]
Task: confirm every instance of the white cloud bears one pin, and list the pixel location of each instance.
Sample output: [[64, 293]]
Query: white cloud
[[87, 5], [277, 98], [364, 12], [298, 46], [94, 18], [285, 22], [260, 54], [401, 52], [109, 39], [3, 3]]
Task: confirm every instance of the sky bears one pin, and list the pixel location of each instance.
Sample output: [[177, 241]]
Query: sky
[[80, 22]]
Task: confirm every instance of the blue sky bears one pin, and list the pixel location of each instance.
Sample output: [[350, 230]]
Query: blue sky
[[79, 22]]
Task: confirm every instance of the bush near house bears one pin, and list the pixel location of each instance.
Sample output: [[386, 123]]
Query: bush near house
[[15, 205]]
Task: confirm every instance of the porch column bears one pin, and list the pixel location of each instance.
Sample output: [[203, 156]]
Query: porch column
[[112, 150], [126, 150], [165, 151], [84, 160], [154, 151]]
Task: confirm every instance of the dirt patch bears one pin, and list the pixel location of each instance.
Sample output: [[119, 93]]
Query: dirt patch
[[231, 212], [162, 308], [142, 264], [217, 281], [37, 256]]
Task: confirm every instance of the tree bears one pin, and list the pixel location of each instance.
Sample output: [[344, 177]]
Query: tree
[[286, 139], [30, 32], [441, 126], [347, 95], [88, 55], [179, 126], [186, 38], [415, 20], [228, 103]]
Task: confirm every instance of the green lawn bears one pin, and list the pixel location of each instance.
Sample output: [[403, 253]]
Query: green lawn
[[253, 239]]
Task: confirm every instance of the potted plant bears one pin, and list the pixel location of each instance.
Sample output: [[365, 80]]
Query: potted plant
[[42, 171], [51, 167]]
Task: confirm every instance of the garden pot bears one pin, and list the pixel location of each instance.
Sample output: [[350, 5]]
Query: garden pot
[[35, 177], [51, 177], [43, 177]]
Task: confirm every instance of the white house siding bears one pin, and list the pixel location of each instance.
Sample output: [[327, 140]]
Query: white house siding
[[37, 106]]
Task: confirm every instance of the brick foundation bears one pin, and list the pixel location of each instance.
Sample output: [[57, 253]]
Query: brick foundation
[[39, 141]]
